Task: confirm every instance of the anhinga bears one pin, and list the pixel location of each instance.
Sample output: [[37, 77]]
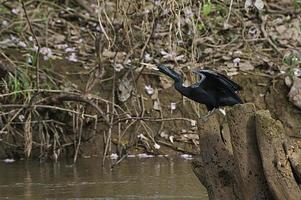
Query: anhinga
[[213, 89]]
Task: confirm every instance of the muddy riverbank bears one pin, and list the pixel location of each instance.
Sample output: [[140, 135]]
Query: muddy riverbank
[[78, 79]]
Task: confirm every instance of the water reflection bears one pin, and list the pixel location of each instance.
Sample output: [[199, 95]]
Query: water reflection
[[150, 178]]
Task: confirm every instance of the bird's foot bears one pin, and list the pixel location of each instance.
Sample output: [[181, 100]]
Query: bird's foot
[[206, 117]]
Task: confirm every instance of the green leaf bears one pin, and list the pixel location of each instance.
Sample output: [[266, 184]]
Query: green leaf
[[200, 26], [207, 8]]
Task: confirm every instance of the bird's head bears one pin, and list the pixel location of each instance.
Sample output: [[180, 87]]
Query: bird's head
[[163, 68], [169, 72]]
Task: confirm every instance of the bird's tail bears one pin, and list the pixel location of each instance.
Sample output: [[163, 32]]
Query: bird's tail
[[169, 72]]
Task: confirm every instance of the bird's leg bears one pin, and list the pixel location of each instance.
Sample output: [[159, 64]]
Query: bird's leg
[[221, 128], [206, 117], [211, 112]]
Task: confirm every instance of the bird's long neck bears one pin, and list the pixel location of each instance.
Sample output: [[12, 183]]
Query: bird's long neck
[[177, 78], [185, 91]]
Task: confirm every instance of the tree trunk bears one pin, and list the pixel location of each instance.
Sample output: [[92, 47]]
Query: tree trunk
[[255, 161]]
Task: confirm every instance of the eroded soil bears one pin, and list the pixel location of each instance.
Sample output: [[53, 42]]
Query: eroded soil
[[102, 59]]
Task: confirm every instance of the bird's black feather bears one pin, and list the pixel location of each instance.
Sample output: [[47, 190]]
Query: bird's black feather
[[169, 72], [213, 90], [224, 86], [222, 78]]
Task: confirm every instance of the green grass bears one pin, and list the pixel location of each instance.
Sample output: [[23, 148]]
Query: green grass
[[17, 82]]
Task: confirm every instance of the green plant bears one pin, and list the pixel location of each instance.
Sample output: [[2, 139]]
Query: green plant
[[297, 4], [17, 82], [207, 8], [200, 26], [291, 59]]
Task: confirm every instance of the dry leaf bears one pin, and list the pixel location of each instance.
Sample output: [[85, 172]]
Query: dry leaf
[[248, 4], [157, 146], [165, 82], [246, 66], [288, 81], [157, 105], [125, 88], [259, 4], [149, 90], [155, 94]]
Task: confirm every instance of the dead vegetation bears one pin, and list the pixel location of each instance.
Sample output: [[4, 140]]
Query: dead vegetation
[[74, 70]]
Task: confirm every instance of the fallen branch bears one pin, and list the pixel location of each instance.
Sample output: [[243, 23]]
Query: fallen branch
[[58, 99]]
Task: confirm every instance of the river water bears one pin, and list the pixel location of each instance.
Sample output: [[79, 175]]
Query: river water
[[134, 178]]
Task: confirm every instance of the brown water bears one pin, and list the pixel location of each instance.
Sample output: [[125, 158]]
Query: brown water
[[148, 178]]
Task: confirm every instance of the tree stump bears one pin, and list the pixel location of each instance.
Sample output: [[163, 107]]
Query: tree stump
[[259, 161]]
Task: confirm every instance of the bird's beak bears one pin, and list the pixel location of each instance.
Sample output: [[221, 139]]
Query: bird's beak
[[150, 66], [154, 67]]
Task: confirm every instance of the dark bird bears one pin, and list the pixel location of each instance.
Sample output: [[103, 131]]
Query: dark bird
[[213, 89]]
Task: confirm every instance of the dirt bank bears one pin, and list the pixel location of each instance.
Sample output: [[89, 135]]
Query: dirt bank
[[77, 79], [151, 125]]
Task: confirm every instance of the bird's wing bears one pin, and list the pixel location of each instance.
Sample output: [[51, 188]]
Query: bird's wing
[[221, 78], [220, 83]]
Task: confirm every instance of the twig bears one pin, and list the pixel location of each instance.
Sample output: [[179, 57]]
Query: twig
[[10, 120], [85, 5], [80, 121], [229, 13], [37, 42], [175, 147], [44, 106], [119, 161], [153, 119], [154, 24], [100, 24], [266, 35], [108, 141], [64, 97]]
